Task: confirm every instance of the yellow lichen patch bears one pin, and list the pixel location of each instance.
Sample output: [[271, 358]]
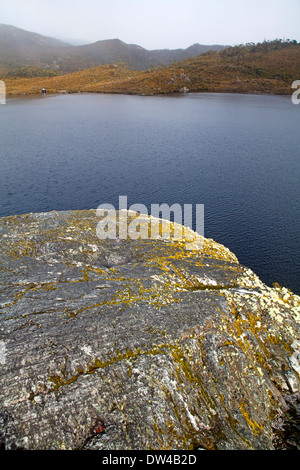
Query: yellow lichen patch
[[218, 251], [97, 363], [255, 427]]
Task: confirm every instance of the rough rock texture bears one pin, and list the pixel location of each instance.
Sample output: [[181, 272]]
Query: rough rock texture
[[140, 344]]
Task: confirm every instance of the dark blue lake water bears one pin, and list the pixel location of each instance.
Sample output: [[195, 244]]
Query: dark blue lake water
[[236, 154]]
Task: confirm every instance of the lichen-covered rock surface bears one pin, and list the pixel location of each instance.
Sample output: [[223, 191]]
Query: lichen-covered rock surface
[[140, 344]]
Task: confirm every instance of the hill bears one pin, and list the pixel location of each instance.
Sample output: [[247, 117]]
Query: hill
[[20, 49], [268, 67]]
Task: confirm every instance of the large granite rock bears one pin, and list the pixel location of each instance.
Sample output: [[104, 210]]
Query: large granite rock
[[140, 344]]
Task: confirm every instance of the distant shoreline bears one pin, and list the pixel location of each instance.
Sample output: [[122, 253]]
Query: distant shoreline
[[233, 92]]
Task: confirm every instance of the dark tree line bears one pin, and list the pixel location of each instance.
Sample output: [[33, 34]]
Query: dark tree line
[[31, 72], [265, 46]]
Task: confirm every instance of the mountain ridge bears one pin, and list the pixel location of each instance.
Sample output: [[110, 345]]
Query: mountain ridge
[[21, 48]]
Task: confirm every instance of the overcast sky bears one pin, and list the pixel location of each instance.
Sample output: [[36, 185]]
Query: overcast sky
[[157, 24]]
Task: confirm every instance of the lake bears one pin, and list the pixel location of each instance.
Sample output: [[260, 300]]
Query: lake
[[236, 154]]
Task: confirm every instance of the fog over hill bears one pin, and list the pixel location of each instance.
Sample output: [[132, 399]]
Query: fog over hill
[[20, 48]]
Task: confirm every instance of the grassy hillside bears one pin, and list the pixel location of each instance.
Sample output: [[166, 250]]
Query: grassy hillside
[[269, 67]]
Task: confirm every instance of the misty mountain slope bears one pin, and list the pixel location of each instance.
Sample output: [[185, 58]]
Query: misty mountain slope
[[105, 52], [20, 48], [136, 57]]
